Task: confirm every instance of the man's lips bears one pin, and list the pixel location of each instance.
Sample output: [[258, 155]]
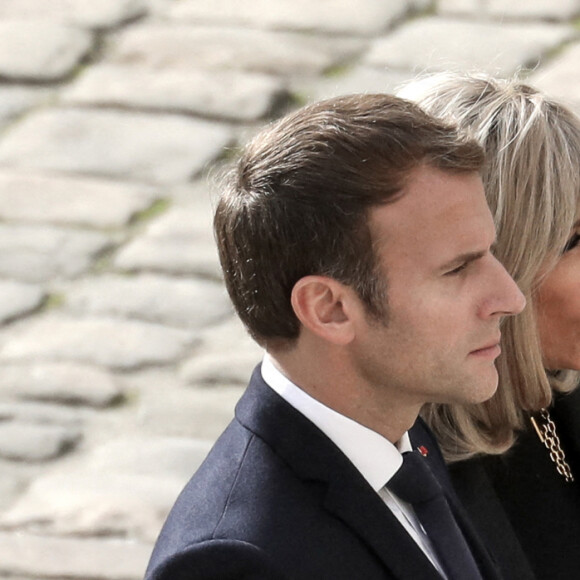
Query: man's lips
[[491, 349]]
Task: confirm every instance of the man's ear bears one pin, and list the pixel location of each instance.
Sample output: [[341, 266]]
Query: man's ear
[[325, 307]]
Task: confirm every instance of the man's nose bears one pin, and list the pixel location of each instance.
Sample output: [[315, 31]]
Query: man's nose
[[507, 299]]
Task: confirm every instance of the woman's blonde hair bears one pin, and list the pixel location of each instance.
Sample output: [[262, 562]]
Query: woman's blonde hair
[[532, 182]]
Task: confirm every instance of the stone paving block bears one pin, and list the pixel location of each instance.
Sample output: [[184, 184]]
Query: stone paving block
[[90, 13], [179, 242], [18, 299], [186, 412], [193, 216], [214, 48], [40, 51], [560, 78], [42, 414], [520, 9], [68, 200], [22, 441], [174, 457], [171, 256], [230, 335], [159, 7], [63, 383], [176, 302], [329, 16], [361, 79], [227, 368], [14, 480], [225, 94], [158, 148], [442, 44], [94, 504], [15, 100], [113, 343], [125, 487], [226, 355], [58, 558], [41, 253]]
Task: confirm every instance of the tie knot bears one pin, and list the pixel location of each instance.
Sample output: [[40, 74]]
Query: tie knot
[[414, 482]]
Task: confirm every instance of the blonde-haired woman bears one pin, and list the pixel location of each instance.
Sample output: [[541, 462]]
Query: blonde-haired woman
[[516, 458]]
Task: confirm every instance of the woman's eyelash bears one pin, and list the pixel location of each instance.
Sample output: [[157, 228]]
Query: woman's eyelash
[[572, 242]]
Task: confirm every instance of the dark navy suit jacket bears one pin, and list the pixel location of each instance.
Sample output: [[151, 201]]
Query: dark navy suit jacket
[[277, 500]]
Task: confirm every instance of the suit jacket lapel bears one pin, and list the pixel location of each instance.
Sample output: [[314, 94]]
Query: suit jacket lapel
[[421, 436], [315, 458]]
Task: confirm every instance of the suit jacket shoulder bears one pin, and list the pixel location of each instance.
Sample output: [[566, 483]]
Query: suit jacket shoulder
[[275, 498]]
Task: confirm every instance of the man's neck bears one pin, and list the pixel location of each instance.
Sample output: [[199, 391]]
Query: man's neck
[[330, 380]]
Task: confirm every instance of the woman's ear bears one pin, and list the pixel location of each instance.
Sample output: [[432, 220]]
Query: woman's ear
[[324, 306]]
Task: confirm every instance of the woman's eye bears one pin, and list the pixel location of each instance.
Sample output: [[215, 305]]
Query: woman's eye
[[572, 242]]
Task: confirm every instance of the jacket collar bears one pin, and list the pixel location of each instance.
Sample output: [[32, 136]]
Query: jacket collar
[[314, 458]]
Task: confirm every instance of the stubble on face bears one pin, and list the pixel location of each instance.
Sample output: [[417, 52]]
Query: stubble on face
[[433, 347]]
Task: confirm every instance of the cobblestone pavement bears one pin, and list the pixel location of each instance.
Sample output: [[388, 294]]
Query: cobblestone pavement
[[120, 357]]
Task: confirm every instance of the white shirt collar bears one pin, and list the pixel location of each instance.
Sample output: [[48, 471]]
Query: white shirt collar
[[374, 456]]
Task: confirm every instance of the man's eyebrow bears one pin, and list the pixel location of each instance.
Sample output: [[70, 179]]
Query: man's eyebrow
[[463, 259]]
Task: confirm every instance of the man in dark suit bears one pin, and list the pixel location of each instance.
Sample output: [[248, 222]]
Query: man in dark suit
[[355, 242]]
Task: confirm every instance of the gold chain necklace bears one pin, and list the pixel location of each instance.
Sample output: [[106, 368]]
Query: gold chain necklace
[[546, 430]]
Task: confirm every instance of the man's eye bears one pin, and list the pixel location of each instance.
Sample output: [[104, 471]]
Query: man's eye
[[457, 270], [572, 243]]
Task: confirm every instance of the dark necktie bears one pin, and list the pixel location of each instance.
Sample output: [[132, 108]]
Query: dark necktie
[[416, 484]]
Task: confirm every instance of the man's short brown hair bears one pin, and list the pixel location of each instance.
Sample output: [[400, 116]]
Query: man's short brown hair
[[297, 201]]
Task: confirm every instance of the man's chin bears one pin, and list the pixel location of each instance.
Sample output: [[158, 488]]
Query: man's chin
[[483, 389]]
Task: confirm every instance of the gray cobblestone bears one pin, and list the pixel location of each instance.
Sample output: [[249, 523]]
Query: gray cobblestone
[[184, 47], [35, 442], [171, 256], [15, 100], [227, 336], [126, 485], [520, 9], [17, 299], [68, 200], [174, 302], [72, 558], [69, 384], [216, 368], [362, 79], [41, 414], [91, 13], [40, 253], [40, 51], [225, 94], [561, 77], [113, 343], [179, 242], [331, 16], [14, 480], [207, 364], [181, 412], [438, 44], [164, 148]]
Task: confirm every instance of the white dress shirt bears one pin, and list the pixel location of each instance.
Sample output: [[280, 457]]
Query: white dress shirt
[[375, 457]]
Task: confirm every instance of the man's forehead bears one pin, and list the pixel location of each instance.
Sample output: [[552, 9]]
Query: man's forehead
[[437, 208]]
